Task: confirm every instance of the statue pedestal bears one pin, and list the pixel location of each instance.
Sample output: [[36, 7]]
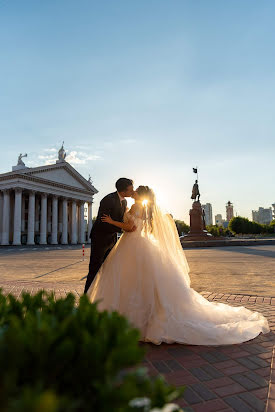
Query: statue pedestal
[[197, 226], [18, 167]]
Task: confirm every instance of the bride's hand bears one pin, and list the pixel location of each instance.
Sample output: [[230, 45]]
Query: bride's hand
[[107, 219]]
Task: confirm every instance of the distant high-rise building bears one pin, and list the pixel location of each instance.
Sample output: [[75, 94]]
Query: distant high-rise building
[[218, 220], [229, 211], [273, 212], [208, 213], [262, 215]]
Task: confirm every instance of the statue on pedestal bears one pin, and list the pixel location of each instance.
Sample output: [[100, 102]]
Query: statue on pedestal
[[197, 216], [61, 154], [195, 191], [20, 161]]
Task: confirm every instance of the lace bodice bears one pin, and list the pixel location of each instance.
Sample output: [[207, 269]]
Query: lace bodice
[[137, 220]]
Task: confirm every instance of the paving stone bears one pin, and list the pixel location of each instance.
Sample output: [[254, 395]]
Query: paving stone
[[161, 367], [220, 356], [192, 363], [220, 382], [237, 404], [261, 393], [173, 365], [229, 390], [264, 372], [215, 405], [179, 352], [200, 374], [239, 354], [234, 369], [203, 391], [266, 355], [256, 378], [226, 364], [158, 355], [255, 349], [248, 363], [209, 357], [254, 402], [191, 397], [179, 378], [245, 381], [212, 371]]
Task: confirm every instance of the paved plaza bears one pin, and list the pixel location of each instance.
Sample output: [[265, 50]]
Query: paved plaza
[[237, 269], [222, 378]]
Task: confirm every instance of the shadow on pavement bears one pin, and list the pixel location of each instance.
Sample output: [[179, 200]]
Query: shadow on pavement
[[250, 251]]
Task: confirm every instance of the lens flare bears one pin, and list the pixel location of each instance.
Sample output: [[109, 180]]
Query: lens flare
[[144, 202]]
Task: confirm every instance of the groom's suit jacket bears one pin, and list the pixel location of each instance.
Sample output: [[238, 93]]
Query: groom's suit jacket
[[109, 205]]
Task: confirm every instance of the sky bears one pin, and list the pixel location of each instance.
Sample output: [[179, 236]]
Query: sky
[[146, 90]]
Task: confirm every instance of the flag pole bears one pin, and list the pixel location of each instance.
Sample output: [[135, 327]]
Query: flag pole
[[197, 174]]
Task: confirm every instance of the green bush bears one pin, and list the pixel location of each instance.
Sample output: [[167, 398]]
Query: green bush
[[56, 357], [242, 225], [217, 231]]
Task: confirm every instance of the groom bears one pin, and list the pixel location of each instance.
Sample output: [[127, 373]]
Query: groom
[[103, 235]]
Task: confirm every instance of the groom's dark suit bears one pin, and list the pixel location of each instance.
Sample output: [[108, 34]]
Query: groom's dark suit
[[103, 235]]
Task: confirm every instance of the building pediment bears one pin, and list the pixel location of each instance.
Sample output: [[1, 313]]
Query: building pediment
[[60, 174]]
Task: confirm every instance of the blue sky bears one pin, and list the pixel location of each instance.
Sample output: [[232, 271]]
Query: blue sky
[[146, 90]]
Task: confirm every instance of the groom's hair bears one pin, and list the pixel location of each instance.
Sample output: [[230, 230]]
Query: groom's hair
[[123, 183]]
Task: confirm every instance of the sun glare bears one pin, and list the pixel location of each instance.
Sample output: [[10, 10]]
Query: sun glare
[[144, 202]]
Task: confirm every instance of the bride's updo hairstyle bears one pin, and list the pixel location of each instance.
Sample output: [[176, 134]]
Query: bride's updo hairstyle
[[146, 193]]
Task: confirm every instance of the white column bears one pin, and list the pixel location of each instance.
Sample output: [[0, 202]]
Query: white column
[[64, 222], [49, 215], [74, 223], [90, 220], [31, 218], [17, 217], [1, 215], [6, 219], [77, 224], [59, 216], [54, 220], [81, 223], [43, 220], [36, 219], [23, 213]]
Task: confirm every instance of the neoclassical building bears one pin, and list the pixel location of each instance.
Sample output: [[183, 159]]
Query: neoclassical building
[[45, 205]]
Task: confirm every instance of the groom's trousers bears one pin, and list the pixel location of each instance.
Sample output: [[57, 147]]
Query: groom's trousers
[[100, 249]]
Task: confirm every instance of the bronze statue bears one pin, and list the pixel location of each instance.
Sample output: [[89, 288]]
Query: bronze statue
[[195, 191]]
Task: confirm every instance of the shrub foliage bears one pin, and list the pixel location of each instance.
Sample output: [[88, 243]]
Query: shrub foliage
[[56, 356], [243, 225]]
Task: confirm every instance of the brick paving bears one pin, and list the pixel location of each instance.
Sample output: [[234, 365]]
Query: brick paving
[[221, 378]]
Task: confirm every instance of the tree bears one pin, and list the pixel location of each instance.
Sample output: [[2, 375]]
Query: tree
[[182, 227], [242, 225]]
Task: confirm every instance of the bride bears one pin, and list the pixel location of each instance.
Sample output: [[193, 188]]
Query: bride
[[145, 278]]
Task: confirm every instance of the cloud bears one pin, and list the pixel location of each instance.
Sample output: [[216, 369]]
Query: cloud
[[33, 163], [48, 159], [52, 149], [128, 141], [50, 155], [80, 158]]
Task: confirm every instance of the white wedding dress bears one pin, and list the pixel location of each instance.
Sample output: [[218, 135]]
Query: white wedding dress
[[145, 278]]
